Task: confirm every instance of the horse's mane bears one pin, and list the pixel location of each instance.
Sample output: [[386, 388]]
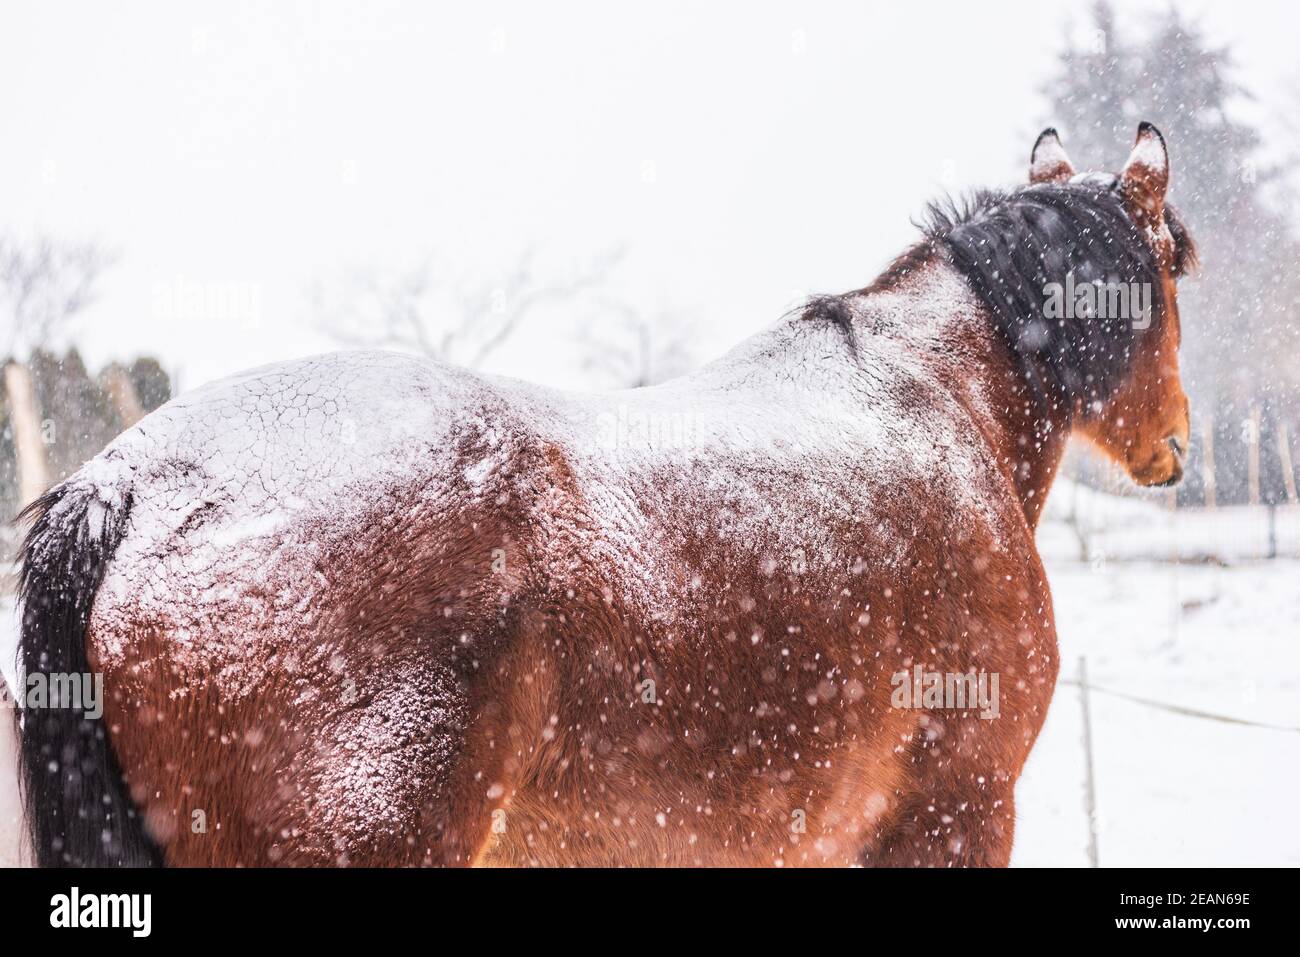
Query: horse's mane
[[1010, 244]]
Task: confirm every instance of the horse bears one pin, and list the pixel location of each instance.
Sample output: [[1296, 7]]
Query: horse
[[368, 609]]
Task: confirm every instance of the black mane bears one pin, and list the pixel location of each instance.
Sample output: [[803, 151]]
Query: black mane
[[1011, 244]]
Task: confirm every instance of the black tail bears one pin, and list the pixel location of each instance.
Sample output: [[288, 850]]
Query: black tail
[[78, 809]]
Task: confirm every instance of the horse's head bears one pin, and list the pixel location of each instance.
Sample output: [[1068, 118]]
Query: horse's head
[[1144, 423]]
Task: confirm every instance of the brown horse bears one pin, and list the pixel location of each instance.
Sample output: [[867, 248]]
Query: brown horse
[[373, 610]]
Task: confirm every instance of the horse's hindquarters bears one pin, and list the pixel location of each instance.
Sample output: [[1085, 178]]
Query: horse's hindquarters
[[327, 698]]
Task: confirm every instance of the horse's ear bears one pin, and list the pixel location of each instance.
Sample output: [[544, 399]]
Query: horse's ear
[[1047, 160], [1146, 175]]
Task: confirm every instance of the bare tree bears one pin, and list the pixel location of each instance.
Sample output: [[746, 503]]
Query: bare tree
[[630, 349], [462, 319], [43, 283]]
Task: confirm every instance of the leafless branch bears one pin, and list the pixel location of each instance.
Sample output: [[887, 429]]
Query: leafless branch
[[632, 349], [399, 311], [43, 283]]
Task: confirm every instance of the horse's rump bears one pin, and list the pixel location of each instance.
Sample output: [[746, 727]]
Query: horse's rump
[[290, 627]]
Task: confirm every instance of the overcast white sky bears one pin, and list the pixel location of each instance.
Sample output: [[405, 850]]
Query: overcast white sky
[[744, 153]]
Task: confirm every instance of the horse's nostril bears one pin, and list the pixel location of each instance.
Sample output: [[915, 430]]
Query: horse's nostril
[[1179, 446]]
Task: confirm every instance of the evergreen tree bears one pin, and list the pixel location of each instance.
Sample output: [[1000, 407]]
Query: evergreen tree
[[1239, 315]]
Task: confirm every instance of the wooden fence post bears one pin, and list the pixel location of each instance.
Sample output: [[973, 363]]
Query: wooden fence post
[[1284, 456], [29, 446], [1207, 467], [1090, 780], [1252, 463], [121, 392]]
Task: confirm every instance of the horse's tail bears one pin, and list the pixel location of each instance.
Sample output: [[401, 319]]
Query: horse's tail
[[78, 809]]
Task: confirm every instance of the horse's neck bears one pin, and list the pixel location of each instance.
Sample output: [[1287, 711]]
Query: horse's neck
[[1033, 454], [950, 330], [932, 322]]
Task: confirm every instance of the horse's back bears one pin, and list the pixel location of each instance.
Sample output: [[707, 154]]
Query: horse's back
[[393, 596], [287, 438]]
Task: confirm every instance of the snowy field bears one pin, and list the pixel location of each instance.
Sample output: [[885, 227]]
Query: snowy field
[[1210, 636], [1171, 789], [1215, 631]]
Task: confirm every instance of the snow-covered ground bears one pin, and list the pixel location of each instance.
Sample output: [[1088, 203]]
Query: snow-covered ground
[[1171, 788]]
